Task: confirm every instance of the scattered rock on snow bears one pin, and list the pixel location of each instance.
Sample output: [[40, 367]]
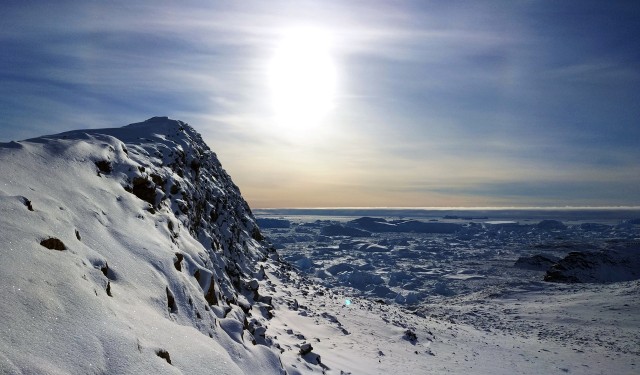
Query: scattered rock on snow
[[411, 336], [164, 355], [104, 166], [53, 243], [253, 285], [171, 302], [144, 189], [27, 203], [305, 348], [178, 262]]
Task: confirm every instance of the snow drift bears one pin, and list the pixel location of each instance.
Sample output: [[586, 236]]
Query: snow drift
[[127, 250]]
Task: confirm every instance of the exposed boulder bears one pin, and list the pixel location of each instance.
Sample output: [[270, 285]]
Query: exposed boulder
[[305, 348], [53, 243]]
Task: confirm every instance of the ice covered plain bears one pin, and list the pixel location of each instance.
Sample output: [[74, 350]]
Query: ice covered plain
[[130, 250], [475, 284]]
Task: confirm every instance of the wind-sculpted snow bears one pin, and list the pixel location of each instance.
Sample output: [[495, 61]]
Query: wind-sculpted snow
[[127, 250]]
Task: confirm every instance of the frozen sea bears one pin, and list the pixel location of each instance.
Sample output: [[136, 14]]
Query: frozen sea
[[492, 269], [414, 255]]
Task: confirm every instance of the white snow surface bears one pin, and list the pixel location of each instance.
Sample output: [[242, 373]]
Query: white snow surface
[[56, 314], [165, 271]]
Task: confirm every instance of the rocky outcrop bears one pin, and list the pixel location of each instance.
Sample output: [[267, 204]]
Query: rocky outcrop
[[621, 264]]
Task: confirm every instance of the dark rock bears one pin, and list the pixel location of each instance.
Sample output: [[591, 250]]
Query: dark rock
[[305, 348], [27, 203], [171, 302], [144, 189], [411, 336], [210, 296], [596, 267], [178, 262], [53, 244], [104, 166], [164, 355], [253, 285]]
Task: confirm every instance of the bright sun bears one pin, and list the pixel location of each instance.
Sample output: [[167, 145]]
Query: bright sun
[[302, 79]]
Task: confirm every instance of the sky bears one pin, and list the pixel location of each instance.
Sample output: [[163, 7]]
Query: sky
[[351, 103]]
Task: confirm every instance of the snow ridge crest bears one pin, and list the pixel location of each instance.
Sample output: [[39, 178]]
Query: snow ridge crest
[[149, 237]]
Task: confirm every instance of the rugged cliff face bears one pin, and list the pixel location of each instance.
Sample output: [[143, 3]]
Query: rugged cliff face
[[128, 250]]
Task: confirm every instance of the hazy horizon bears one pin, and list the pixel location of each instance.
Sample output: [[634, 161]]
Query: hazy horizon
[[459, 208]]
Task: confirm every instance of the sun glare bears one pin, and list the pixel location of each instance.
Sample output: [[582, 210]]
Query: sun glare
[[302, 79]]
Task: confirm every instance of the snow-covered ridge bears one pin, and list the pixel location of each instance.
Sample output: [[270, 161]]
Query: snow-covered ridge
[[127, 250], [131, 251]]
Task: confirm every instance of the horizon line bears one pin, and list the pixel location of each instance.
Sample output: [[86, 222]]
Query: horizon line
[[460, 208]]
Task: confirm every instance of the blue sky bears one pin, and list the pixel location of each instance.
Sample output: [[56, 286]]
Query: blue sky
[[456, 103]]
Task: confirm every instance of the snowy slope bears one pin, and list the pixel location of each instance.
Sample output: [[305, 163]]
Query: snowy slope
[[125, 250], [131, 251]]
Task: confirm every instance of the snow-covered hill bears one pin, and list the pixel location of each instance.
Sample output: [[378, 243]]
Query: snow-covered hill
[[127, 250], [131, 251]]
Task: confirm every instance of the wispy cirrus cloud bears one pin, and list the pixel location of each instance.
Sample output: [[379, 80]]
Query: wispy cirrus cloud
[[445, 100]]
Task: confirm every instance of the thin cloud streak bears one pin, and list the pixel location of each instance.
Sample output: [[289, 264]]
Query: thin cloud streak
[[433, 95]]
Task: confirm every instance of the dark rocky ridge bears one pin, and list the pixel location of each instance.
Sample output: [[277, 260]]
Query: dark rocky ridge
[[614, 265]]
